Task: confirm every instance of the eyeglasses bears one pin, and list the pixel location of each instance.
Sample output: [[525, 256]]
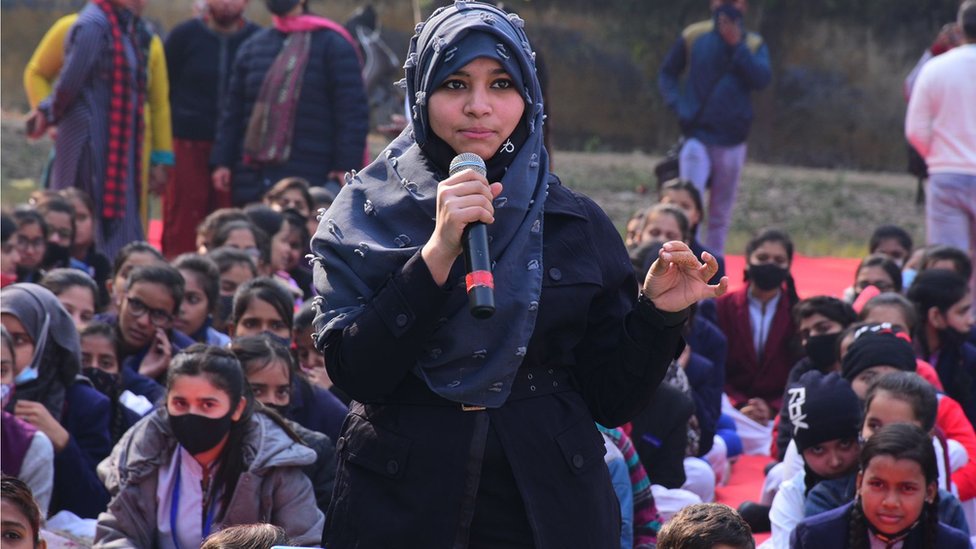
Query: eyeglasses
[[24, 243], [137, 307]]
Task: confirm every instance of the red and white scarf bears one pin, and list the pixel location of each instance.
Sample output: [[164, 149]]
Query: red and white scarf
[[123, 147]]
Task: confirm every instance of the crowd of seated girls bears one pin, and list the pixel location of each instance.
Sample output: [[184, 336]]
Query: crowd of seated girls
[[901, 336], [141, 378], [102, 357]]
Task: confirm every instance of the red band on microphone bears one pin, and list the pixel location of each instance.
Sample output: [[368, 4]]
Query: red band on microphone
[[479, 278]]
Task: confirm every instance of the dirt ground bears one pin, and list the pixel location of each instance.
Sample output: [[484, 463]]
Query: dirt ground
[[827, 212]]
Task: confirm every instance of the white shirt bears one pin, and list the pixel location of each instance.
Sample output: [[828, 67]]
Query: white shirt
[[189, 522], [787, 510], [941, 119], [761, 320]]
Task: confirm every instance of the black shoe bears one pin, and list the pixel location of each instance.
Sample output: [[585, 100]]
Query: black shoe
[[756, 515]]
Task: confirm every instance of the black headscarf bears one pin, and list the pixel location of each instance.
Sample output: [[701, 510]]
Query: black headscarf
[[385, 214], [57, 352]]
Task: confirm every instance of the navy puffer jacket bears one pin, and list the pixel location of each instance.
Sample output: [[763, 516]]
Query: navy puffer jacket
[[330, 125]]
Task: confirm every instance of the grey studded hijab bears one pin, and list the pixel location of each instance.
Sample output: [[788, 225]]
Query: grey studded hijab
[[57, 351], [385, 214]]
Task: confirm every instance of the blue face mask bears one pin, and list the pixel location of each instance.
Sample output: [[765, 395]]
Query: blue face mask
[[6, 392], [907, 277], [277, 338], [25, 376]]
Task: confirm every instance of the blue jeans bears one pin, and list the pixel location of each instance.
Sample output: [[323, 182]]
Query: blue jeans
[[950, 213], [723, 165]]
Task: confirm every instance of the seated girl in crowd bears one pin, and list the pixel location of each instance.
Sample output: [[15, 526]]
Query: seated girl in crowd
[[48, 396], [207, 229], [59, 217], [100, 364], [209, 459], [83, 247], [146, 337], [76, 291], [826, 415], [236, 267], [899, 312], [756, 320], [951, 419], [685, 195], [27, 452], [948, 258], [875, 270], [264, 305], [132, 255], [31, 242], [9, 254], [21, 517], [310, 360], [891, 241], [894, 398], [269, 370], [292, 193], [819, 321], [289, 238], [246, 236], [897, 500], [660, 223], [944, 307], [201, 277]]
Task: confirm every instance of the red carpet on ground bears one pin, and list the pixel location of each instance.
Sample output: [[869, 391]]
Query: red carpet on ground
[[813, 275], [744, 485]]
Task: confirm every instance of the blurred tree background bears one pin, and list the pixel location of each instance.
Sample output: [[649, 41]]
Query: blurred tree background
[[836, 98]]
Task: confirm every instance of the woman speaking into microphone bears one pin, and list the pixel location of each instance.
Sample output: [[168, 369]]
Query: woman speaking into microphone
[[479, 432]]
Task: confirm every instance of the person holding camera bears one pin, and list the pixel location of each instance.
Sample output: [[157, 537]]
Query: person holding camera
[[724, 65]]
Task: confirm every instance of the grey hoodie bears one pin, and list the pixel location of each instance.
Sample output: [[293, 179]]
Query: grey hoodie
[[272, 488]]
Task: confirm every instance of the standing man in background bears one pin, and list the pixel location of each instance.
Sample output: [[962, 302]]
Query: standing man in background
[[941, 125], [725, 64], [199, 54]]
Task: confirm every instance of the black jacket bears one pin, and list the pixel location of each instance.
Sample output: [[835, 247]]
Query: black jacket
[[198, 62], [409, 460], [330, 125]]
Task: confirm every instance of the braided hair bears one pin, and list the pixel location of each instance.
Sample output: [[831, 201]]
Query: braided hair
[[899, 441]]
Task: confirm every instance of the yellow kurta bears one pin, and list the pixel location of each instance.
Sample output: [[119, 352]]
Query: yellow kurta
[[45, 64]]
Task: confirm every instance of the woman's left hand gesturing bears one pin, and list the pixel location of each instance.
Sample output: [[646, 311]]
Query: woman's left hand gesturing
[[677, 279]]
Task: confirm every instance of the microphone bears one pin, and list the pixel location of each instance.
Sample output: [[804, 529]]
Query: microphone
[[479, 281]]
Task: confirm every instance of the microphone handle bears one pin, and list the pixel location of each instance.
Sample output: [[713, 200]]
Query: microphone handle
[[479, 280]]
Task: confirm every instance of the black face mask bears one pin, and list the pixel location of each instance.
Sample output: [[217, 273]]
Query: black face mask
[[822, 350], [104, 382], [225, 306], [56, 255], [767, 276], [282, 409], [200, 433], [950, 338]]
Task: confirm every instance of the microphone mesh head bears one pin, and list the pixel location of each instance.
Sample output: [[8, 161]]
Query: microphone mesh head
[[465, 161]]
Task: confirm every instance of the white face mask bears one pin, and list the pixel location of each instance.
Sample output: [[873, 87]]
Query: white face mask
[[25, 376]]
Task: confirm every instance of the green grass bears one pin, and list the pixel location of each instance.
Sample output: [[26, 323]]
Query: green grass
[[826, 212]]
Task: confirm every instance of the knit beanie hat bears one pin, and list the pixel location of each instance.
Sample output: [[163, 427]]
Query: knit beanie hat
[[878, 346], [822, 408]]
